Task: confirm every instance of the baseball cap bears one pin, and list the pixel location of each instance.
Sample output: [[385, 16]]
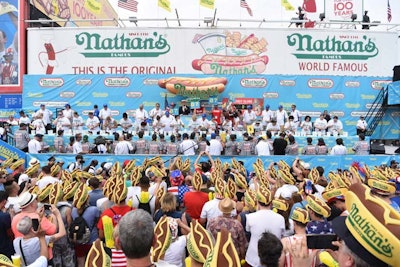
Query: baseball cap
[[39, 135], [280, 106], [204, 115], [267, 106], [104, 105]]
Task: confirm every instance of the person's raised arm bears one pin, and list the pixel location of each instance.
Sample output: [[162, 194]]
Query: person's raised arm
[[61, 227], [211, 160], [296, 169]]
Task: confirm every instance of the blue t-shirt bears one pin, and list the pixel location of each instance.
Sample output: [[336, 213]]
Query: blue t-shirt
[[91, 216], [95, 195], [319, 227]]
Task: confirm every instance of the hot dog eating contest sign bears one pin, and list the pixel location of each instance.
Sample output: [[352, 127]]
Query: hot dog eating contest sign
[[211, 51]]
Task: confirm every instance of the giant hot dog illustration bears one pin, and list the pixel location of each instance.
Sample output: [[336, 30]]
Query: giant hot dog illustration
[[231, 53], [194, 87]]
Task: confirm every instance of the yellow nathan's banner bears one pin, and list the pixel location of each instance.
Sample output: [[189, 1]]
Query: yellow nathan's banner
[[207, 3], [165, 4], [78, 13], [287, 5]]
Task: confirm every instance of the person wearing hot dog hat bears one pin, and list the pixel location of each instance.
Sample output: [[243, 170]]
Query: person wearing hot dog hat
[[91, 216], [256, 223], [199, 244], [370, 235], [384, 190], [318, 211]]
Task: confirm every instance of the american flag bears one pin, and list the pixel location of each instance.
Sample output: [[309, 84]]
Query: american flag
[[389, 12], [244, 4], [130, 5]]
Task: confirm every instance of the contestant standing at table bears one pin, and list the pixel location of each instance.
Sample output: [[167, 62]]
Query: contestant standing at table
[[62, 122], [77, 146], [267, 115], [47, 116], [335, 126], [68, 112], [104, 113], [168, 121], [140, 117], [156, 111], [23, 118], [281, 116], [38, 124], [93, 124], [249, 116], [77, 123], [320, 124], [126, 123], [296, 115]]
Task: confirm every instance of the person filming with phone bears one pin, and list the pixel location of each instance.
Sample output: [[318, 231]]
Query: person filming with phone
[[28, 246]]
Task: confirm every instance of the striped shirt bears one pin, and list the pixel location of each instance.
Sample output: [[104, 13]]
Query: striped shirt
[[118, 258]]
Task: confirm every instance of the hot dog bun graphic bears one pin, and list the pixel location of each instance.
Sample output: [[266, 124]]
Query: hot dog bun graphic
[[231, 53], [212, 64], [176, 85]]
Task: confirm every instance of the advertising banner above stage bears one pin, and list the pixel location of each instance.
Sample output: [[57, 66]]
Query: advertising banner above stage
[[346, 97], [12, 46], [211, 51], [78, 13]]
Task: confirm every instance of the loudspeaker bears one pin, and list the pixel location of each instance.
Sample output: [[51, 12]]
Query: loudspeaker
[[396, 73], [377, 149]]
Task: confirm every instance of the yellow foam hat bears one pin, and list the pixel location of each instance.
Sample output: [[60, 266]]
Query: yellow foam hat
[[300, 215], [382, 187], [374, 224], [97, 256], [197, 181], [16, 164], [199, 242], [81, 196], [163, 238], [264, 195], [280, 204], [318, 206]]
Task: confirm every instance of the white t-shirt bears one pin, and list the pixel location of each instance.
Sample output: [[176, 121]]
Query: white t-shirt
[[286, 191], [263, 148], [39, 262], [77, 147], [104, 113], [34, 146], [176, 252], [91, 122], [339, 150], [257, 223], [123, 148], [45, 180], [215, 148], [210, 210]]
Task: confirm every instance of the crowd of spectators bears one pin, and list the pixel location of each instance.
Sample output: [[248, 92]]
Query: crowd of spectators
[[220, 214]]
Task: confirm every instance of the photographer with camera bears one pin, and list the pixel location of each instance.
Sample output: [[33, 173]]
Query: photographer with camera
[[78, 164]]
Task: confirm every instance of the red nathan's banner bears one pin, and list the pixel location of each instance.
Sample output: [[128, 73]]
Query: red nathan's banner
[[12, 46]]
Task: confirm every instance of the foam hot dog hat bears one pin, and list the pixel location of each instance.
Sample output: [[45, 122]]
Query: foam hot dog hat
[[250, 199], [32, 169], [5, 261], [7, 163], [70, 189], [280, 204], [372, 228], [175, 84], [56, 193], [381, 187], [199, 242], [264, 195], [318, 206], [16, 164], [224, 252], [300, 215], [163, 238], [44, 192], [197, 181], [97, 256], [55, 170], [230, 189], [81, 196], [120, 191]]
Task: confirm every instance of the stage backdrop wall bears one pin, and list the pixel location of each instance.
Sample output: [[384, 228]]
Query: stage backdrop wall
[[290, 51], [347, 97]]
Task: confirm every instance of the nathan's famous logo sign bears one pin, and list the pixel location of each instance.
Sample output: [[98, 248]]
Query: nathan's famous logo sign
[[332, 47], [122, 45], [231, 53], [334, 51], [202, 88]]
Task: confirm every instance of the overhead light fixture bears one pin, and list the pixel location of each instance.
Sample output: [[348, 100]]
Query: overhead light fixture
[[322, 16]]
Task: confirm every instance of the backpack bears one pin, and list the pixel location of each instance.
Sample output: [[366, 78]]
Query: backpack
[[144, 205], [79, 231]]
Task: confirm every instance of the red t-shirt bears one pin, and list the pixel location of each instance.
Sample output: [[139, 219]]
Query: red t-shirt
[[115, 213], [217, 114], [194, 202]]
